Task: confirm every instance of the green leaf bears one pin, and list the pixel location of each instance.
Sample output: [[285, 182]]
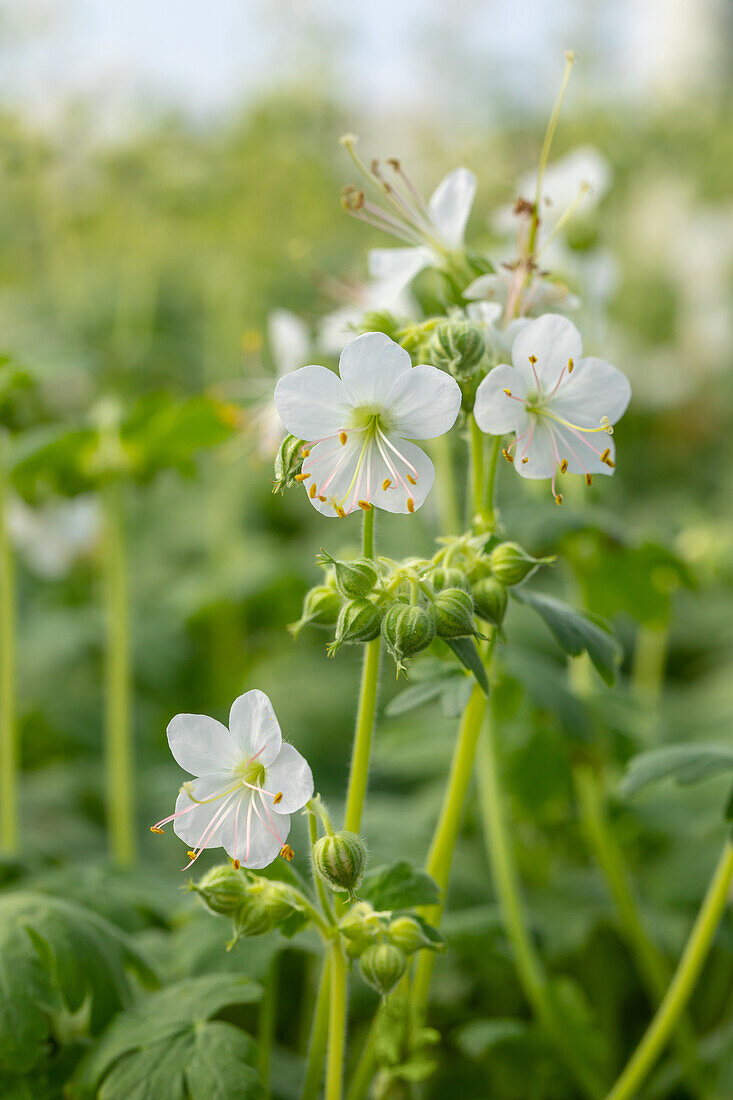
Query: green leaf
[[416, 695], [164, 1046], [469, 656], [576, 632], [399, 886], [686, 764], [56, 955], [479, 1037]]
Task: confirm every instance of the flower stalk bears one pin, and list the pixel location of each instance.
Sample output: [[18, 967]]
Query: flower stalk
[[8, 717]]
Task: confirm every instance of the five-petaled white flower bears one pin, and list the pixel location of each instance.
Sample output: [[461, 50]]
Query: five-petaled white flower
[[248, 782], [560, 406], [357, 426]]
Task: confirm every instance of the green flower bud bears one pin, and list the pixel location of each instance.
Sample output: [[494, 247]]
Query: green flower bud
[[353, 578], [340, 860], [380, 321], [288, 463], [321, 608], [359, 621], [490, 597], [253, 919], [359, 926], [223, 890], [276, 898], [407, 629], [449, 577], [453, 610], [405, 932], [510, 563], [457, 346], [382, 965]]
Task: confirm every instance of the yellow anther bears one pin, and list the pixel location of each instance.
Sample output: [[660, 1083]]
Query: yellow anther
[[312, 491], [589, 479], [339, 511], [564, 466], [190, 854], [365, 505], [322, 499], [507, 456], [287, 853], [302, 477], [525, 461], [410, 505], [236, 864], [305, 451], [343, 437], [606, 458], [508, 392], [386, 484], [278, 798], [155, 829], [571, 364], [558, 498], [412, 480], [533, 359]]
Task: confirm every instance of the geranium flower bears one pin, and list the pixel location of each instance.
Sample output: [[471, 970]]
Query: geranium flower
[[357, 426], [289, 341], [432, 230], [559, 405], [248, 782], [523, 285]]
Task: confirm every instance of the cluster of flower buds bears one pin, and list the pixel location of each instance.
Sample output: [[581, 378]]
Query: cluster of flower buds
[[456, 346], [255, 904], [382, 941]]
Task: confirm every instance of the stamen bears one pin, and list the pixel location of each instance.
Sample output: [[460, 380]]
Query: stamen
[[365, 505], [507, 456], [411, 479], [312, 491], [305, 451], [525, 460], [564, 466], [571, 365], [236, 864], [302, 477], [410, 505], [155, 829], [589, 479], [558, 498], [386, 484], [277, 799], [508, 392], [343, 437], [287, 853]]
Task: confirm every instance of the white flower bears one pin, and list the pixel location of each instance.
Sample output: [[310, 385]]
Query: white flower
[[342, 324], [538, 293], [54, 535], [559, 405], [358, 424], [289, 342], [582, 168], [432, 230], [497, 336], [247, 783]]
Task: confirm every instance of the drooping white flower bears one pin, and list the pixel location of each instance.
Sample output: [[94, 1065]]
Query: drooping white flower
[[559, 405], [54, 535], [248, 782], [432, 230], [357, 426]]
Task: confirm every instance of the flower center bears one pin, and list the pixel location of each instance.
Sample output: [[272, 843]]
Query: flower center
[[251, 772]]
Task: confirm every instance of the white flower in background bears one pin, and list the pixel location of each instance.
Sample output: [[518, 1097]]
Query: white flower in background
[[432, 230], [248, 782], [289, 342], [498, 337], [582, 169], [342, 324], [559, 405], [539, 294], [54, 535], [357, 426]]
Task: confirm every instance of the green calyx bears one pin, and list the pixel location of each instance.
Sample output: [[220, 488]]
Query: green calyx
[[223, 890], [288, 463], [453, 611], [382, 965], [510, 563], [359, 621], [449, 577], [407, 630], [320, 608], [490, 598], [353, 578], [457, 346], [340, 860]]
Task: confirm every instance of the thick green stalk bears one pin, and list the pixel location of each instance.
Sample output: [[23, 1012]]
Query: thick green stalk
[[336, 1024], [8, 728], [267, 1018], [365, 1068], [477, 471], [313, 1084], [680, 990], [488, 511], [118, 734], [529, 965], [445, 487]]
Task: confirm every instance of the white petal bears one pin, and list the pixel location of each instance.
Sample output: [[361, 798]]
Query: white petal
[[484, 313], [289, 340], [553, 340], [291, 776], [396, 267], [201, 744], [450, 204], [494, 410], [538, 448], [582, 450], [594, 389], [413, 463], [337, 328], [492, 286], [332, 468], [312, 402], [423, 403], [255, 838], [254, 727], [196, 821], [369, 366]]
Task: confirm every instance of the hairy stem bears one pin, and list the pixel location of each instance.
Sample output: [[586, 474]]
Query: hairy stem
[[8, 730], [336, 1024], [118, 735], [680, 990], [266, 1026]]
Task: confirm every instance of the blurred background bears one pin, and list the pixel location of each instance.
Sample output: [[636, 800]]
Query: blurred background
[[170, 175]]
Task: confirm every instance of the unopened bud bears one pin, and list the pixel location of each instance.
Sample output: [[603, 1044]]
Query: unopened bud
[[453, 610], [359, 926], [456, 346], [380, 321], [490, 597], [405, 932], [321, 608], [276, 898], [510, 563], [353, 578], [359, 621], [382, 965], [449, 577], [407, 629], [340, 860], [223, 890], [288, 463]]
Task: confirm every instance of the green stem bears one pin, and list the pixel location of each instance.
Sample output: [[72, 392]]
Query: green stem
[[118, 734], [477, 472], [320, 885], [529, 965], [266, 1026], [652, 965], [445, 488], [359, 774], [8, 719], [650, 656], [367, 540], [365, 1068], [489, 508], [336, 1024], [680, 990], [313, 1083]]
